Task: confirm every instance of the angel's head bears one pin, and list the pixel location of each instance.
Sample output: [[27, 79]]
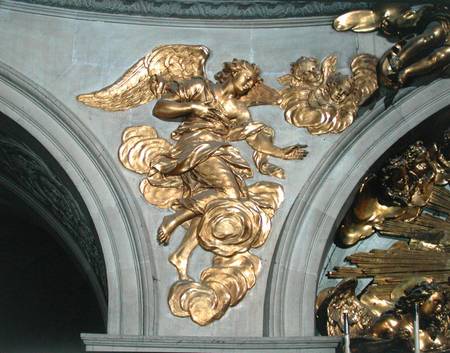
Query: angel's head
[[430, 297], [240, 74], [307, 70], [339, 87]]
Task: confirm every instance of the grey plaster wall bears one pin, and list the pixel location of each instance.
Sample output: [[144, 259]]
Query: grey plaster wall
[[73, 54]]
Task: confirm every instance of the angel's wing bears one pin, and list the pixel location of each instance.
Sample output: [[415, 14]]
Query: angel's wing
[[364, 74], [358, 21], [340, 300], [261, 94], [146, 79], [328, 66]]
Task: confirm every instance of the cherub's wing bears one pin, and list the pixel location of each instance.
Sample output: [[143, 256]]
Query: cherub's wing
[[358, 21], [328, 66], [340, 300], [146, 79], [364, 74], [261, 94]]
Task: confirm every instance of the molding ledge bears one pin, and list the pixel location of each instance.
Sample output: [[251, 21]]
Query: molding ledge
[[121, 343], [210, 9], [39, 8]]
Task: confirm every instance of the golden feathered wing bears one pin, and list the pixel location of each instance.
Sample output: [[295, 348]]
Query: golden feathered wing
[[337, 301], [364, 74], [147, 78]]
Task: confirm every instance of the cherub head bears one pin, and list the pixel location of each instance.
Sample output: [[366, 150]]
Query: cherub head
[[241, 74], [431, 299], [339, 87], [399, 19], [392, 19], [405, 174], [307, 70], [418, 159]]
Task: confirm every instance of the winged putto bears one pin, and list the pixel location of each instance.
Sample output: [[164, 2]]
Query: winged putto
[[322, 100], [200, 175], [422, 32]]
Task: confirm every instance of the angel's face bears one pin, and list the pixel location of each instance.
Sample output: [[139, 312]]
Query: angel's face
[[391, 19], [243, 81], [307, 69], [433, 305], [340, 87]]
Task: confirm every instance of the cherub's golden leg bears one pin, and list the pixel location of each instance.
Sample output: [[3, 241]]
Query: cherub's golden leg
[[181, 256], [436, 61], [171, 222], [434, 37]]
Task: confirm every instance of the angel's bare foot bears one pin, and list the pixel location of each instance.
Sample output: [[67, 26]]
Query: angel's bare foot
[[181, 266], [295, 152], [166, 229]]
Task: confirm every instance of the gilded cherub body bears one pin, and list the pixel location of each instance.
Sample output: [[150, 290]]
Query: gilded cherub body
[[318, 98], [423, 33]]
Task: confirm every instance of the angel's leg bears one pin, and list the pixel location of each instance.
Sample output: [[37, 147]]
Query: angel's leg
[[181, 256], [434, 62], [432, 38], [171, 222]]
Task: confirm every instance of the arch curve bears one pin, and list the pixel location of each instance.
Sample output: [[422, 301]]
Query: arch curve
[[118, 221], [312, 221]]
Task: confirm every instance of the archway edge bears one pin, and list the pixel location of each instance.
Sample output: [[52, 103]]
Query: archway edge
[[309, 229], [118, 221]]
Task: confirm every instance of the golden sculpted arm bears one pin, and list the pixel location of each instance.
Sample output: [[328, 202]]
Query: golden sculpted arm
[[263, 142]]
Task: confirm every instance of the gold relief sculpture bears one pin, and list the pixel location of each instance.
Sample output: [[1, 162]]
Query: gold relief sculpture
[[406, 200], [393, 328], [322, 100], [423, 33], [392, 200], [201, 176]]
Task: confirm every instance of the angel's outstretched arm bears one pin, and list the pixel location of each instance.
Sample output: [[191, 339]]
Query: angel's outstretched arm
[[262, 141]]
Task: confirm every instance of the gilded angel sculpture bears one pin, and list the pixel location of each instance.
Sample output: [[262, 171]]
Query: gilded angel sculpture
[[424, 37], [201, 176], [322, 100]]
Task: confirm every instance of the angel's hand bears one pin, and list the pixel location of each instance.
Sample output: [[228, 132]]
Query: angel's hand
[[204, 111], [295, 152]]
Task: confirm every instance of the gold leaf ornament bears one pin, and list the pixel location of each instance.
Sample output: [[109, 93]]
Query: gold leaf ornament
[[141, 149], [221, 286], [232, 226]]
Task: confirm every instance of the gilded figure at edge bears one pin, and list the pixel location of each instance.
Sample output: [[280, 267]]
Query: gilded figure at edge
[[423, 33]]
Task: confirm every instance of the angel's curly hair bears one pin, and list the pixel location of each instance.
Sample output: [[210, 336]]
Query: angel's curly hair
[[235, 66], [439, 322]]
